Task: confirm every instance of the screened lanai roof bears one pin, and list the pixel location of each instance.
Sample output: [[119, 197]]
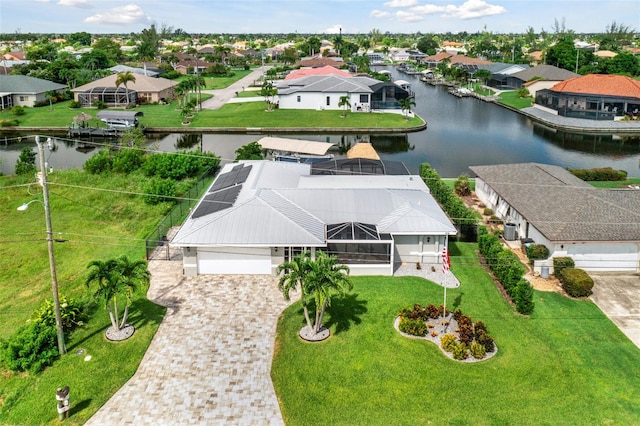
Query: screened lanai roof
[[359, 166], [108, 91]]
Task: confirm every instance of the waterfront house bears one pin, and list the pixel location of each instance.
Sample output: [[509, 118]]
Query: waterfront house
[[26, 91], [258, 214], [546, 76], [593, 96], [598, 228], [144, 89], [324, 92]]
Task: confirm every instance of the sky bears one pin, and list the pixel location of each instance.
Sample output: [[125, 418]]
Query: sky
[[315, 16]]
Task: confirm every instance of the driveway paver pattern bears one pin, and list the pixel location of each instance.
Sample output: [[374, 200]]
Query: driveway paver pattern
[[210, 360]]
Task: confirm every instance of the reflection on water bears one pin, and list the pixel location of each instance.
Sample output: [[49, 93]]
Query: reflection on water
[[600, 144]]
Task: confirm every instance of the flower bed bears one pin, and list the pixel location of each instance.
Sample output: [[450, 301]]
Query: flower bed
[[455, 334]]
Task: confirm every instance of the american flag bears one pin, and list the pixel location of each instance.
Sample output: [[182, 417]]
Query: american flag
[[446, 262]]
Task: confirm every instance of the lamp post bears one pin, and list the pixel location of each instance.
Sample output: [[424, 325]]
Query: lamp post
[[52, 261]]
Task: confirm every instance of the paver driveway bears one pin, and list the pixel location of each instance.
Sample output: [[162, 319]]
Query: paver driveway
[[210, 360]]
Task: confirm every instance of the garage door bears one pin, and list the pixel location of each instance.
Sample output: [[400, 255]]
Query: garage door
[[605, 256], [234, 260]]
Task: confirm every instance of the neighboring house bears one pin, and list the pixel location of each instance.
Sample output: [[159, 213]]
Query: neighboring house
[[192, 67], [433, 60], [324, 92], [258, 214], [535, 57], [326, 70], [6, 65], [320, 62], [454, 47], [124, 68], [375, 57], [144, 89], [593, 96], [598, 228], [548, 76], [400, 56], [500, 73], [25, 91], [15, 56], [605, 54]]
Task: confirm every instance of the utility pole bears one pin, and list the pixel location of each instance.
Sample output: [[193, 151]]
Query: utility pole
[[52, 261]]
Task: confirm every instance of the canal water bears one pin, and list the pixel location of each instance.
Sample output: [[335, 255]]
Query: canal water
[[461, 132]]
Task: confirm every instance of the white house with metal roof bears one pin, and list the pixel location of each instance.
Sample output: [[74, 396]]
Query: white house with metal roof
[[322, 92], [257, 214], [598, 228]]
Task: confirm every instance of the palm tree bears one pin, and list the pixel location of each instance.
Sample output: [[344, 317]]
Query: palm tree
[[124, 78], [117, 277], [319, 279], [346, 103], [406, 105]]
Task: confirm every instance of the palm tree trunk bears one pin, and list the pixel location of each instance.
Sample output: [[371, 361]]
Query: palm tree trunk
[[306, 316], [114, 324], [124, 317], [115, 313], [319, 317]]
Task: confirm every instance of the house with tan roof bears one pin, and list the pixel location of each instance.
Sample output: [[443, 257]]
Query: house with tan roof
[[326, 70], [143, 90], [593, 96], [598, 228]]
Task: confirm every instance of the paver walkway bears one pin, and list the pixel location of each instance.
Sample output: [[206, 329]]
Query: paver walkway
[[210, 360]]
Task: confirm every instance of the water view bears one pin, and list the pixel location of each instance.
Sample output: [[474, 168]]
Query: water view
[[460, 133]]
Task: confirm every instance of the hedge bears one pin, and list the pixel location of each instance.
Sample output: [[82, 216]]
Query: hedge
[[576, 282], [599, 174]]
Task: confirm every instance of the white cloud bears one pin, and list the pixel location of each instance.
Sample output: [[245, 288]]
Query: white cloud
[[379, 14], [75, 3], [428, 9], [401, 3], [334, 29], [408, 16], [472, 9], [125, 15]]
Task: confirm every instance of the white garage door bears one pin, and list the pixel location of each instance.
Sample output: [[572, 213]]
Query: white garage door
[[605, 256], [233, 260]]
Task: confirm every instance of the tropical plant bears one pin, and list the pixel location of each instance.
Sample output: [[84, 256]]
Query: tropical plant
[[406, 105], [124, 78], [269, 92], [250, 151], [319, 279], [346, 103], [117, 277]]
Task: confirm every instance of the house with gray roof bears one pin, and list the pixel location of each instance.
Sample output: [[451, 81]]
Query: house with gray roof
[[26, 91], [257, 214], [322, 92], [546, 77], [598, 228]]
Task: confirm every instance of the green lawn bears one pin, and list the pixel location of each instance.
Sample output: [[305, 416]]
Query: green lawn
[[513, 99], [566, 364], [96, 225], [616, 184], [240, 115]]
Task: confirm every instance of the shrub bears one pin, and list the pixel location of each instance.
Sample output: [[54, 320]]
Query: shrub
[[524, 297], [537, 251], [559, 263], [127, 161], [9, 123], [71, 313], [487, 341], [30, 348], [433, 311], [448, 341], [100, 105], [179, 165], [462, 186], [17, 110], [460, 351], [75, 104], [477, 350], [26, 163], [101, 162], [487, 211], [159, 190], [599, 174], [413, 327], [479, 328], [508, 270], [576, 282]]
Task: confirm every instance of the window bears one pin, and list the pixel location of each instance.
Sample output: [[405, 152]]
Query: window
[[298, 98], [23, 98], [364, 99], [328, 100]]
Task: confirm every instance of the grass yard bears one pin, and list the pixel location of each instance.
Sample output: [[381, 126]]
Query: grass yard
[[241, 115], [617, 184], [513, 99], [97, 225], [566, 364]]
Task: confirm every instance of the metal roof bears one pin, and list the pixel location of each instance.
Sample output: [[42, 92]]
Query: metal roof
[[295, 145], [119, 115], [270, 211]]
